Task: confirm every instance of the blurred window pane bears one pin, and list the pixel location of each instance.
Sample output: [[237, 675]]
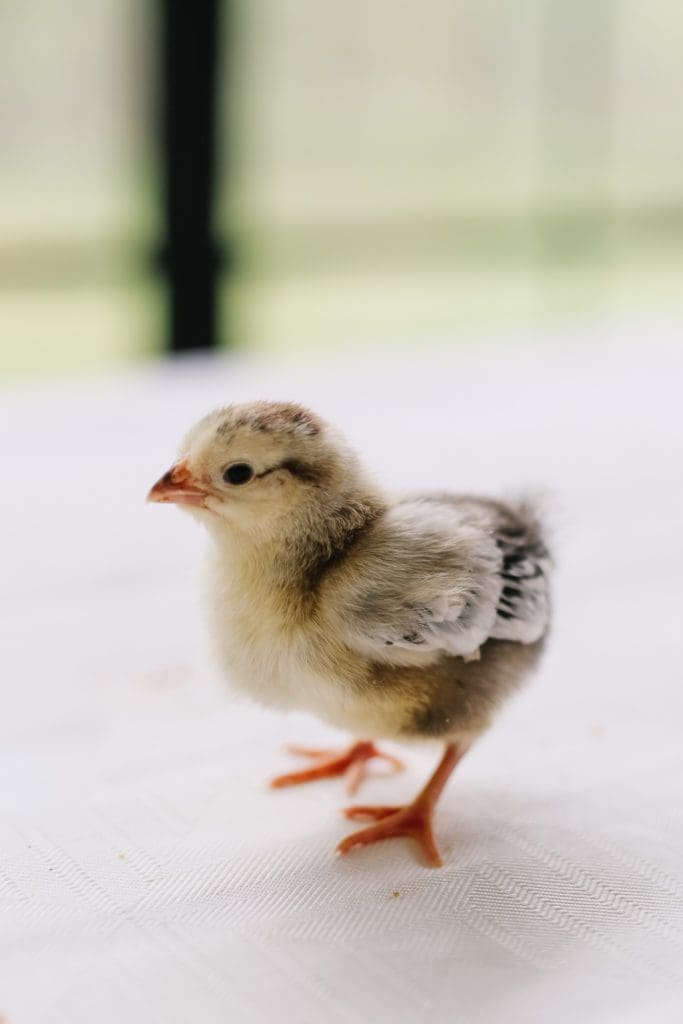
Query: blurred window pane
[[393, 172], [418, 170], [76, 217]]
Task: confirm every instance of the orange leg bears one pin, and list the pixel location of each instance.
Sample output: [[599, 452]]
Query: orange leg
[[352, 764], [414, 820]]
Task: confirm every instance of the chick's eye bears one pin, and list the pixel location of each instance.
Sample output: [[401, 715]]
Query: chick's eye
[[238, 473]]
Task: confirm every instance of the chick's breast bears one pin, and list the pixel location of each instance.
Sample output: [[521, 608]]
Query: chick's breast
[[284, 652]]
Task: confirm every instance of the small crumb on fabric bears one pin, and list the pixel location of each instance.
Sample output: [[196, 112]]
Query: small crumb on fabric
[[121, 856], [396, 893], [167, 677]]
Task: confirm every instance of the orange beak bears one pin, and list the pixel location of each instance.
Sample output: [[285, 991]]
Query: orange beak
[[179, 486]]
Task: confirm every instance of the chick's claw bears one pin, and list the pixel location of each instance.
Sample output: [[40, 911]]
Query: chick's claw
[[413, 821], [351, 763]]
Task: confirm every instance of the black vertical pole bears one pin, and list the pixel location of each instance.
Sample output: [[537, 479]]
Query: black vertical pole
[[189, 52]]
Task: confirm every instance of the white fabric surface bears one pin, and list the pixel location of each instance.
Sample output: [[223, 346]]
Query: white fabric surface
[[147, 874]]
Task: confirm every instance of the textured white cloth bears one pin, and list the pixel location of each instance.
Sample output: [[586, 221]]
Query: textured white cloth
[[146, 872]]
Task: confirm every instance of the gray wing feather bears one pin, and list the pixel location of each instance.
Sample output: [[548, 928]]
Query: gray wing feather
[[446, 574], [523, 608]]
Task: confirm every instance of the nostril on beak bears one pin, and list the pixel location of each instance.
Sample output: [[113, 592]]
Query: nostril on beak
[[177, 474]]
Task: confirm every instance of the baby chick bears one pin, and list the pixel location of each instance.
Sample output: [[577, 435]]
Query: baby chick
[[410, 618]]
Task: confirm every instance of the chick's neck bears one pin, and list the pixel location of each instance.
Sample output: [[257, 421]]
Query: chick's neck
[[308, 541], [325, 535]]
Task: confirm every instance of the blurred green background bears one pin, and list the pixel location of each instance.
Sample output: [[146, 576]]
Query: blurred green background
[[396, 173]]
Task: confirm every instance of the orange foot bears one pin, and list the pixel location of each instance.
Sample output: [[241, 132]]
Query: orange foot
[[413, 820], [352, 764]]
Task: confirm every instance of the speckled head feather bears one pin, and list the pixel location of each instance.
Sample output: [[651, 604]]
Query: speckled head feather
[[269, 417]]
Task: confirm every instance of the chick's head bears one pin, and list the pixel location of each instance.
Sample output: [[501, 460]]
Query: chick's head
[[251, 466]]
